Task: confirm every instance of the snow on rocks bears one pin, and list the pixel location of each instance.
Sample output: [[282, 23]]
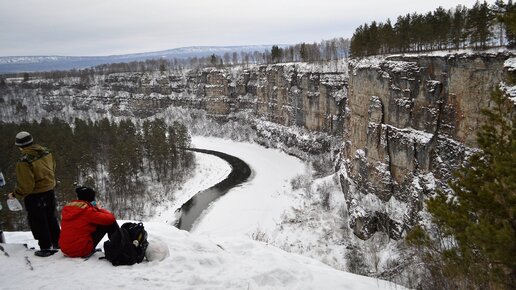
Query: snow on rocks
[[431, 85], [378, 62], [340, 95], [364, 63], [510, 64], [509, 90], [399, 66], [453, 53], [416, 136]]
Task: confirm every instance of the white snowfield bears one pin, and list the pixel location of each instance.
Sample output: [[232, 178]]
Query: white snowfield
[[193, 262], [218, 254]]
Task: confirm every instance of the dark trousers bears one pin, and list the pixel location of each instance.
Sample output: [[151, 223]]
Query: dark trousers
[[41, 213], [99, 233]]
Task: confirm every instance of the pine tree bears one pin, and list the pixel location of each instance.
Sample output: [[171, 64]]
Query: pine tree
[[276, 54], [443, 23], [303, 52], [373, 39], [162, 67], [458, 26], [213, 60], [402, 28], [356, 46], [387, 37], [479, 22], [508, 20]]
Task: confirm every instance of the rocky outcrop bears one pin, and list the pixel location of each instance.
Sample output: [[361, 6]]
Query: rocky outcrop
[[411, 122]]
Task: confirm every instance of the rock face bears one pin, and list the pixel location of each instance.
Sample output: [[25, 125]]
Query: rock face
[[411, 121], [284, 95]]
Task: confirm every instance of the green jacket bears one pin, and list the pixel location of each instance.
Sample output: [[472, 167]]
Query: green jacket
[[35, 172]]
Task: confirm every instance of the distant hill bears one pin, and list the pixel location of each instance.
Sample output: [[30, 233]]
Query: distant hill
[[14, 64]]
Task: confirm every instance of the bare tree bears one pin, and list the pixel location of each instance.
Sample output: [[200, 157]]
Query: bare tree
[[226, 58], [234, 59]]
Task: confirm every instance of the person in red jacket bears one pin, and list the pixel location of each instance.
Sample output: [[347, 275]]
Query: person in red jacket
[[84, 224]]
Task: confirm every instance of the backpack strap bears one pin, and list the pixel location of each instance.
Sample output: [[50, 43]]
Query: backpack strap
[[31, 158]]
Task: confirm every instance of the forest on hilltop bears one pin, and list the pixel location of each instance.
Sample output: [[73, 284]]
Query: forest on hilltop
[[479, 27]]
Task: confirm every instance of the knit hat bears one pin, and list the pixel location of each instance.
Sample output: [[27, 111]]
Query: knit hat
[[85, 193], [23, 139]]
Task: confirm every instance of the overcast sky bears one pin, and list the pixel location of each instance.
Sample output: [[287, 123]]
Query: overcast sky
[[105, 27]]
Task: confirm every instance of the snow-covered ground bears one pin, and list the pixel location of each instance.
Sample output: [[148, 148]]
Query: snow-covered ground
[[220, 253], [190, 262]]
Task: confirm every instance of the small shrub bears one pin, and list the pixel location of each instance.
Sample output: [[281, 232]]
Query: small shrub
[[300, 181], [355, 262], [325, 190], [259, 235], [322, 165]]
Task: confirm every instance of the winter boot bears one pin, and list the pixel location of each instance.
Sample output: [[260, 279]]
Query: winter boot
[[45, 252]]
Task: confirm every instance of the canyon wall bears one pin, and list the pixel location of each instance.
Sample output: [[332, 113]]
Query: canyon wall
[[411, 122], [285, 96]]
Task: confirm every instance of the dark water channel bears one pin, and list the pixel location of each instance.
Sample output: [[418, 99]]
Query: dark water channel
[[193, 208]]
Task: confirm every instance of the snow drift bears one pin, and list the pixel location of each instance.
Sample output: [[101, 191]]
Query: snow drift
[[193, 262]]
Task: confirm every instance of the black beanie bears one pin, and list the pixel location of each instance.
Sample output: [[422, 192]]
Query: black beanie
[[85, 193]]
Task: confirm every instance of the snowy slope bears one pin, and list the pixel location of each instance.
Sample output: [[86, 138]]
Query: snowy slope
[[194, 262]]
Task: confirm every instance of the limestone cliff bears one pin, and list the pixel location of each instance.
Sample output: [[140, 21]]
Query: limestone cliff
[[411, 121], [283, 95]]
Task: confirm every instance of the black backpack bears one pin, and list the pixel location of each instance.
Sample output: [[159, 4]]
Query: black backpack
[[127, 245]]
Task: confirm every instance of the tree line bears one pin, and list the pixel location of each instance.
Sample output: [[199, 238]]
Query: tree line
[[479, 27], [121, 160], [324, 51]]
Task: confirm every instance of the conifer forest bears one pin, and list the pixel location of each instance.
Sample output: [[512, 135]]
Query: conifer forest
[[120, 160]]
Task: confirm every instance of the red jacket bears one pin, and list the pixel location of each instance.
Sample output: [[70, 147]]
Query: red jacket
[[79, 220]]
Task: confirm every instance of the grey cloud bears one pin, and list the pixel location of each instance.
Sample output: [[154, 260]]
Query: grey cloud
[[97, 27]]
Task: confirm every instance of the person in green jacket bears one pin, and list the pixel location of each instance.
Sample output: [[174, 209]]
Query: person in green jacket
[[2, 183], [35, 182]]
